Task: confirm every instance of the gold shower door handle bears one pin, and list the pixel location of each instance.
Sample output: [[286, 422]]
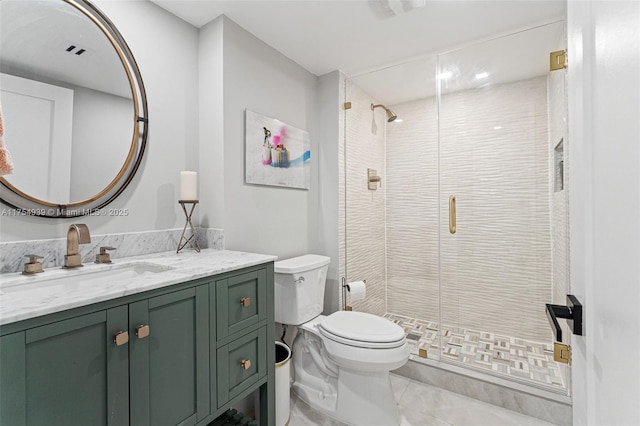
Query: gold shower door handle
[[452, 214]]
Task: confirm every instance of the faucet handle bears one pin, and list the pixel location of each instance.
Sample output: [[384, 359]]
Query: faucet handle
[[32, 266], [33, 258], [104, 257]]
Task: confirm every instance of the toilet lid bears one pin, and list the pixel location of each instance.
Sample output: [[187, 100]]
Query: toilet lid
[[362, 330]]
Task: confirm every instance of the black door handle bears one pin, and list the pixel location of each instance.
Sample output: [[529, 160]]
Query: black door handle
[[572, 313]]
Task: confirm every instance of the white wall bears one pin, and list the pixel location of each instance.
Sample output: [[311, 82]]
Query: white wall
[[102, 125], [604, 129], [166, 50], [211, 132], [259, 218], [325, 179]]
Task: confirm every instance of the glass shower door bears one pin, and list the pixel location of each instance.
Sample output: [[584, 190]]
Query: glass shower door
[[502, 199]]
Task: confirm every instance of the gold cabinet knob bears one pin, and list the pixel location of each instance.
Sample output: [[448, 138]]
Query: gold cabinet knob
[[121, 337], [245, 302], [142, 331], [246, 364]]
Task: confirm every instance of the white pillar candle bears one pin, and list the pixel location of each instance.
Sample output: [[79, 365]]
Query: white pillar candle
[[189, 186]]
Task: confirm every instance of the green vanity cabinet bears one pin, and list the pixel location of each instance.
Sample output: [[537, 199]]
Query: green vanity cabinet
[[169, 358], [149, 359], [241, 313], [244, 324], [66, 373]]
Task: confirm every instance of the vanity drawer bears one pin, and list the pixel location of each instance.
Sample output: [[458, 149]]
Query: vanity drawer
[[241, 363], [240, 302]]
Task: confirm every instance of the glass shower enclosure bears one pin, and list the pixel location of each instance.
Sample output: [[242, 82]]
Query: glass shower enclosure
[[462, 234]]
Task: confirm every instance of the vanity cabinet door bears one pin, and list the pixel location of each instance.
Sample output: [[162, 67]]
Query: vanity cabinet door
[[169, 358], [67, 372]]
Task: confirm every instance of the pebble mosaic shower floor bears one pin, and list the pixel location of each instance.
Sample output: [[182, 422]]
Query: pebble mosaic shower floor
[[526, 360]]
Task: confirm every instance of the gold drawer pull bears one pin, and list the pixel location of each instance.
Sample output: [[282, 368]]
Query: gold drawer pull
[[245, 302], [121, 337], [142, 331], [246, 364]]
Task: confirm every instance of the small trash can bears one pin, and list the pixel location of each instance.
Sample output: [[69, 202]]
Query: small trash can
[[283, 376]]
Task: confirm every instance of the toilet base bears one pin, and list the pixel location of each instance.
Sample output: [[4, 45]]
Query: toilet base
[[367, 399], [360, 398]]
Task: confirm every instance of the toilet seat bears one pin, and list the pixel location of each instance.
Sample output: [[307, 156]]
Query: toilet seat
[[362, 330]]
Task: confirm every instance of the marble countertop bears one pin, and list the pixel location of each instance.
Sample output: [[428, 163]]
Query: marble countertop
[[23, 297]]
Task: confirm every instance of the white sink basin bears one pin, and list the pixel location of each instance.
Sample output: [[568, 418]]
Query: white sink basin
[[87, 276]]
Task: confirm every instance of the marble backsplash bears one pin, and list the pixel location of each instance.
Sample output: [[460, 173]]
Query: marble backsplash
[[12, 254]]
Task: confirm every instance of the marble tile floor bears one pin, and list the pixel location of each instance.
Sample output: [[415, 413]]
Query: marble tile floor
[[425, 405], [524, 360]]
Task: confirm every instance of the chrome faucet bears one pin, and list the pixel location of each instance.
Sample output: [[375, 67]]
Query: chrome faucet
[[76, 235]]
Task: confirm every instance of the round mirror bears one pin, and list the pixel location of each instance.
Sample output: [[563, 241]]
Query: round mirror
[[73, 106]]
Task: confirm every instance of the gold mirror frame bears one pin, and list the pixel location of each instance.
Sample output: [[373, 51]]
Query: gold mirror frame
[[25, 204]]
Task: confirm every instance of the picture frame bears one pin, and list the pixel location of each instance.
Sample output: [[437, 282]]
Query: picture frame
[[276, 153]]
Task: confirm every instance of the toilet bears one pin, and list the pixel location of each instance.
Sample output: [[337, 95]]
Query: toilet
[[341, 362]]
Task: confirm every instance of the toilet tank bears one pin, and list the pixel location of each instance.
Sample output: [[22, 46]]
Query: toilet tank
[[299, 288]]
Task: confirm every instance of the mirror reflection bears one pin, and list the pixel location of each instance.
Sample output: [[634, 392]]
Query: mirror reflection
[[66, 101]]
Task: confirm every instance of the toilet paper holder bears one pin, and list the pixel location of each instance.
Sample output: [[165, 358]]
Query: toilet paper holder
[[345, 288]]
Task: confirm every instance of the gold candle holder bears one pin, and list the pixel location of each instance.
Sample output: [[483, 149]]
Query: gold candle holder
[[193, 239]]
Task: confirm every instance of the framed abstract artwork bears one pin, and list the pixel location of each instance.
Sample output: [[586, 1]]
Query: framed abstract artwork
[[276, 154]]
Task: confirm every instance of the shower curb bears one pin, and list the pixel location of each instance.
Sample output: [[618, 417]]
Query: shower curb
[[440, 375]]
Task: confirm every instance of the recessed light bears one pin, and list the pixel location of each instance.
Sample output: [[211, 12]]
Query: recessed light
[[482, 75], [497, 127]]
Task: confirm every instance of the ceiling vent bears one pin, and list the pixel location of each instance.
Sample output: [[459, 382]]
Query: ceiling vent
[[76, 50]]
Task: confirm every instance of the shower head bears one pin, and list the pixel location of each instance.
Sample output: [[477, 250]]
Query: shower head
[[391, 116]]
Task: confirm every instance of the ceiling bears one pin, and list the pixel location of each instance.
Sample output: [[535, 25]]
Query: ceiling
[[509, 58], [387, 45], [357, 36], [36, 39]]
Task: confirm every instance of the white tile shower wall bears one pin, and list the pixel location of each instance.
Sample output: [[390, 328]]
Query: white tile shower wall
[[494, 157], [496, 270], [412, 211], [365, 209], [126, 244]]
